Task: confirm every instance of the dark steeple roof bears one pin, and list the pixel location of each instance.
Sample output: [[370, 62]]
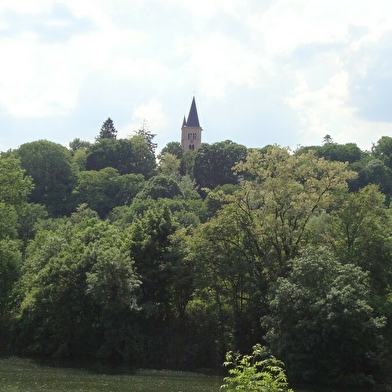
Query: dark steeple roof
[[184, 123], [193, 118]]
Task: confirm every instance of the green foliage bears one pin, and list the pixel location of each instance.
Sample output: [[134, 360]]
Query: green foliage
[[108, 131], [251, 373], [357, 232], [169, 165], [214, 163], [383, 150], [172, 279], [150, 248], [54, 176], [80, 158], [15, 187], [371, 171], [321, 323], [348, 152], [105, 189], [8, 221], [186, 213], [173, 148], [229, 266], [148, 137], [78, 290], [10, 271], [77, 144], [188, 163], [110, 152], [158, 247], [160, 187], [284, 192], [143, 157], [28, 217], [125, 155]]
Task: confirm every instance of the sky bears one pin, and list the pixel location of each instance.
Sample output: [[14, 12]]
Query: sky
[[284, 72]]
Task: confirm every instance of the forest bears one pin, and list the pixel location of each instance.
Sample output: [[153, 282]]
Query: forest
[[109, 250]]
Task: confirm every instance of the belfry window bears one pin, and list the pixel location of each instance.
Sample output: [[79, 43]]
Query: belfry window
[[192, 136]]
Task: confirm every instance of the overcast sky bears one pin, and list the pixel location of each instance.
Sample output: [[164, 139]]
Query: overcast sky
[[262, 71]]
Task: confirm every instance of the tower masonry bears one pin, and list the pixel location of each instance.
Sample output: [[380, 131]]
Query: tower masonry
[[191, 130]]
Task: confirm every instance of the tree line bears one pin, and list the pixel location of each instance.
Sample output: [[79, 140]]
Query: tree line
[[109, 251]]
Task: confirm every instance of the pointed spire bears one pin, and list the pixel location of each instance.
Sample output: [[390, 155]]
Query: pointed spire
[[193, 118], [184, 123]]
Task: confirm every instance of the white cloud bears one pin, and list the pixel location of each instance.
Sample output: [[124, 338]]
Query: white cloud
[[325, 111], [36, 81], [39, 79], [320, 110], [151, 114], [286, 24], [26, 6], [301, 58], [207, 9], [220, 61]]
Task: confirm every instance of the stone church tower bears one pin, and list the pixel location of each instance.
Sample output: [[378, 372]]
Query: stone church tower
[[191, 130]]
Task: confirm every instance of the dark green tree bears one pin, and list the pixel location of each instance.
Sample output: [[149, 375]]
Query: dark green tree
[[15, 186], [108, 131], [348, 152], [157, 246], [77, 143], [10, 272], [54, 175], [357, 231], [149, 245], [172, 148], [188, 163], [160, 187], [214, 163], [232, 277], [321, 323], [148, 137], [104, 189], [110, 153], [383, 150], [125, 155], [144, 161]]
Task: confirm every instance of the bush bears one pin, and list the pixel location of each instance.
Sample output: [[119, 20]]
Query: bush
[[247, 373]]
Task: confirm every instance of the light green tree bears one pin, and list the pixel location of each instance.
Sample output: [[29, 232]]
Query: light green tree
[[169, 165], [78, 291], [15, 185], [253, 373]]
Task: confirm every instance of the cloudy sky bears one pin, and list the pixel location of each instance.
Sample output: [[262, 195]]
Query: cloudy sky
[[262, 71]]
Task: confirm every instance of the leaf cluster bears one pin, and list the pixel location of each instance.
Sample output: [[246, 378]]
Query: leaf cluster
[[251, 373]]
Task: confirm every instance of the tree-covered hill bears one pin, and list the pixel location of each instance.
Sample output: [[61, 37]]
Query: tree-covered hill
[[108, 251]]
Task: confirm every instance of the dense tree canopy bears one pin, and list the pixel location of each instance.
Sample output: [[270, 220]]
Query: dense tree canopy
[[50, 166], [15, 185], [104, 189], [322, 306], [125, 155], [83, 293], [214, 163], [106, 253]]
